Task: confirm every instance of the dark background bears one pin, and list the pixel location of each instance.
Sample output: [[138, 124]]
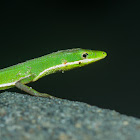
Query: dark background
[[29, 30]]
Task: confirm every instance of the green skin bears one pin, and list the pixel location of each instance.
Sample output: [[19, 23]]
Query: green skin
[[32, 70]]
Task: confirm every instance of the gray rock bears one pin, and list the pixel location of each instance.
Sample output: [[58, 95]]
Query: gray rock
[[24, 117]]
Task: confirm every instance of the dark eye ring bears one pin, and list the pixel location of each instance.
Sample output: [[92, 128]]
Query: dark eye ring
[[85, 55]]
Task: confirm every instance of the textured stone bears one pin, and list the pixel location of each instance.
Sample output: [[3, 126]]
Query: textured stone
[[24, 117]]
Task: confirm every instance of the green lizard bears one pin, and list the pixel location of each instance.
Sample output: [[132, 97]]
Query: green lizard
[[32, 70]]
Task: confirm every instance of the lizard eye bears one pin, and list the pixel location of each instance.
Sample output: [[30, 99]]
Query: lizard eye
[[84, 55]]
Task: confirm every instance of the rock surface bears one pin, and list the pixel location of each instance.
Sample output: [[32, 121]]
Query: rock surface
[[24, 117]]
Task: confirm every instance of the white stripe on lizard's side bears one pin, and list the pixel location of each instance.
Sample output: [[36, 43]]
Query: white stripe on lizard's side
[[13, 83], [63, 65], [7, 84]]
